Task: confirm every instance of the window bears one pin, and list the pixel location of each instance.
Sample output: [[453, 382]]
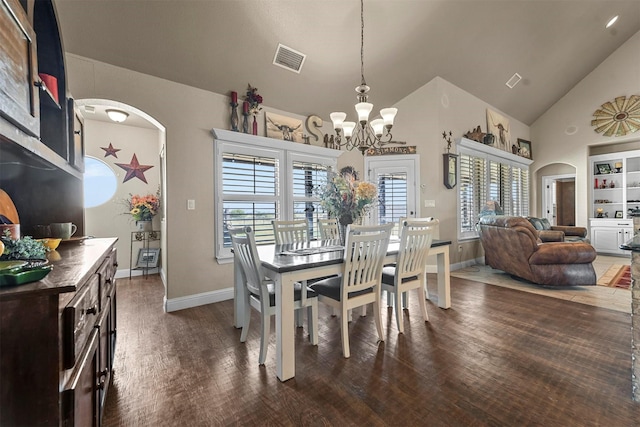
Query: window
[[100, 183], [486, 175], [306, 176], [260, 180], [392, 194]]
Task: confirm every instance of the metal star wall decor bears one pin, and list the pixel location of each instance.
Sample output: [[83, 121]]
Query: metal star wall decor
[[110, 151], [134, 170], [618, 117]]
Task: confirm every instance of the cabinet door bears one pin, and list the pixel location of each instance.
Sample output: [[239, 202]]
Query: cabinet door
[[76, 137], [605, 239], [19, 99]]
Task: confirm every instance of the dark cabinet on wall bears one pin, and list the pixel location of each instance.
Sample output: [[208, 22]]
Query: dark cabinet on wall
[[41, 135], [59, 339]]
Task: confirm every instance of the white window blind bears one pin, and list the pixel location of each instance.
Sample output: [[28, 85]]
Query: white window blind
[[485, 177], [250, 192], [392, 197], [307, 176], [472, 192]]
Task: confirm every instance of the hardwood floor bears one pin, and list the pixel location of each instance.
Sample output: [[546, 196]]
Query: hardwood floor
[[498, 357]]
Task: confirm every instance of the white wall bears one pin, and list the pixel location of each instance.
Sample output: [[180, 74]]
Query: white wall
[[618, 75], [109, 219]]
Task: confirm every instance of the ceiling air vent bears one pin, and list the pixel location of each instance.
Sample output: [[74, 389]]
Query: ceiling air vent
[[513, 80], [289, 58]]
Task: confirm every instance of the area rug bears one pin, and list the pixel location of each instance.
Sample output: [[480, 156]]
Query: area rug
[[617, 276]]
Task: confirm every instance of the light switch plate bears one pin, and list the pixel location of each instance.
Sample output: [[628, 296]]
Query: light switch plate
[[191, 204], [429, 203]]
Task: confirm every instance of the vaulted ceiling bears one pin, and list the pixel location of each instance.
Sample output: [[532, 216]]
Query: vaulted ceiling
[[221, 45]]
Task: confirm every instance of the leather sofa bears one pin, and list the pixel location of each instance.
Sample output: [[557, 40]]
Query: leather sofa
[[512, 244], [558, 233]]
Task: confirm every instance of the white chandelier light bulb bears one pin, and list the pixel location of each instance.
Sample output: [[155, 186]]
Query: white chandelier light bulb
[[377, 125], [363, 109], [348, 128], [338, 119], [388, 114]]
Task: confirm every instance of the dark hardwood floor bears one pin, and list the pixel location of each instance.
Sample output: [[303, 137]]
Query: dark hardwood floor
[[498, 357]]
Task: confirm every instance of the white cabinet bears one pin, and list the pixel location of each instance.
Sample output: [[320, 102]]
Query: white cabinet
[[615, 183], [608, 235]]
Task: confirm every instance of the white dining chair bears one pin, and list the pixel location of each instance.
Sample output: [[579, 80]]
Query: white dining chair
[[360, 281], [409, 272], [329, 229], [260, 291], [295, 231]]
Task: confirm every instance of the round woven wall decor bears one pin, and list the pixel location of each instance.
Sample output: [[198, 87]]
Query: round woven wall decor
[[618, 117]]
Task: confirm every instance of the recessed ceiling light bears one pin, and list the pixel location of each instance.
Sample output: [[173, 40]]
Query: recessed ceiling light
[[117, 115], [612, 21]]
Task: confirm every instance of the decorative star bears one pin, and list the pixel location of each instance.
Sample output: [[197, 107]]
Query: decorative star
[[134, 169], [110, 151]]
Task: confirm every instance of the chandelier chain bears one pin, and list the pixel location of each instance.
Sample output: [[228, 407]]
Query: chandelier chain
[[362, 42]]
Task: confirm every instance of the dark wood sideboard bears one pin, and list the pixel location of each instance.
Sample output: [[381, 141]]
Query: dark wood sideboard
[[58, 339]]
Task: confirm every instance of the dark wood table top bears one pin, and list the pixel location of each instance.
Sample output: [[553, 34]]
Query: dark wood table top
[[318, 253]]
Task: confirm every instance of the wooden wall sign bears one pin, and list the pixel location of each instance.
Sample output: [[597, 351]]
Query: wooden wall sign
[[391, 150]]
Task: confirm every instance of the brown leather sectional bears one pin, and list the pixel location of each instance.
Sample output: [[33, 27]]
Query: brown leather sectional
[[512, 244]]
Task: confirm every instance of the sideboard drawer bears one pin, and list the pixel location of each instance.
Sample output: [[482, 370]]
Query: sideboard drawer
[[79, 318]]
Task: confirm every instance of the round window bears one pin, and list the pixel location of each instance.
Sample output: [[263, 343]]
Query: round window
[[100, 183]]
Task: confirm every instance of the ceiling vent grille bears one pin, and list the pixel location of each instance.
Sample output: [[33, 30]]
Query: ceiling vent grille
[[513, 80], [288, 58]]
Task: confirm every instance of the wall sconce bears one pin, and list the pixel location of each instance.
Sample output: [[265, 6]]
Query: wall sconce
[[117, 115]]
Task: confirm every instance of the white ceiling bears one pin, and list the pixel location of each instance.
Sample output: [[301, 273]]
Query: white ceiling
[[221, 45]]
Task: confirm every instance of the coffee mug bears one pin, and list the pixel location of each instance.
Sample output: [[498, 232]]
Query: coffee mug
[[62, 230]]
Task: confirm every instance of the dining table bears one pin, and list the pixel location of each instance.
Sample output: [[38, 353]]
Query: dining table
[[296, 262]]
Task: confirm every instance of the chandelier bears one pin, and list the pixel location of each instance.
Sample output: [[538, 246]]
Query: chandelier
[[369, 134]]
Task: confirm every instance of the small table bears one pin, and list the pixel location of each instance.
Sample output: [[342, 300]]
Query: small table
[[144, 237], [286, 268]]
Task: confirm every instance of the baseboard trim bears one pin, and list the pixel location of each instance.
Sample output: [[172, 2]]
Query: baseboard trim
[[190, 301], [124, 273]]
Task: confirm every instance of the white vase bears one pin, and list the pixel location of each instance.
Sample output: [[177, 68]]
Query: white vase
[[144, 226]]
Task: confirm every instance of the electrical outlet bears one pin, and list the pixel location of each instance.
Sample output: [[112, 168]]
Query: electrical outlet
[[459, 248], [191, 204], [429, 203]]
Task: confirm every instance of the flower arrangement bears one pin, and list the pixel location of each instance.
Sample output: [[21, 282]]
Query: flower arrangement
[[253, 99], [346, 198], [143, 208]]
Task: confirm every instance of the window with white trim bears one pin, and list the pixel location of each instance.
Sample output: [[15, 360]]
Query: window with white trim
[[256, 184], [485, 177]]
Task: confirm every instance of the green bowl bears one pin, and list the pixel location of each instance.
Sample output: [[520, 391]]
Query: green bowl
[[21, 276]]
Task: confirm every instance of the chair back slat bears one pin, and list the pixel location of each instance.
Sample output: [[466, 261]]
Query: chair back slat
[[366, 247], [291, 231], [416, 236], [244, 249], [329, 229]]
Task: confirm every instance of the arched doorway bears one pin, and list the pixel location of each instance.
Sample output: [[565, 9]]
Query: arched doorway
[[138, 140]]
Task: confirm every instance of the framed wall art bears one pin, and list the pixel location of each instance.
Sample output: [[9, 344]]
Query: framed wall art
[[498, 125], [148, 258], [283, 127], [524, 148]]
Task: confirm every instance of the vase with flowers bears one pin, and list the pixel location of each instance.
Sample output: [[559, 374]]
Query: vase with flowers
[[252, 106], [346, 198], [142, 209]]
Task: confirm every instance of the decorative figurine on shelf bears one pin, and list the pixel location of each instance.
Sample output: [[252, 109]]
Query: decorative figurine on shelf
[[254, 100], [234, 111], [476, 135], [604, 184], [599, 213], [612, 185], [245, 120], [618, 167]]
